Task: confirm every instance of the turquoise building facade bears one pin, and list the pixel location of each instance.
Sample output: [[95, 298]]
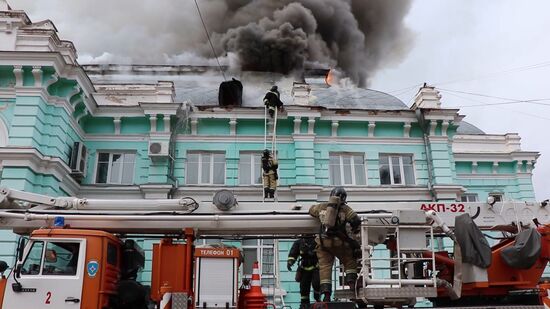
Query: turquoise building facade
[[370, 142]]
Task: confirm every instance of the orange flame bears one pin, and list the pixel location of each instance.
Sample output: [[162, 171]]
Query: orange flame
[[329, 79]]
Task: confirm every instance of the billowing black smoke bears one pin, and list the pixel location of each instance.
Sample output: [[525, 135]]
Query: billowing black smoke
[[355, 36]]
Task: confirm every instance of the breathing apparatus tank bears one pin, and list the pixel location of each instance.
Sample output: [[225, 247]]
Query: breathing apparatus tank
[[329, 219]]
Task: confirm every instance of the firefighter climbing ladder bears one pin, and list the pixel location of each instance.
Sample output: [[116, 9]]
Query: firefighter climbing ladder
[[273, 140]]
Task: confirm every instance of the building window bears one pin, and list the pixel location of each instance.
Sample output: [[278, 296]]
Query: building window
[[347, 169], [250, 166], [263, 251], [396, 170], [498, 196], [115, 168], [469, 197], [205, 168]]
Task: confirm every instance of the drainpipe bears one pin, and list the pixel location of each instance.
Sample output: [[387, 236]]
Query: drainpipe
[[419, 112], [182, 116]]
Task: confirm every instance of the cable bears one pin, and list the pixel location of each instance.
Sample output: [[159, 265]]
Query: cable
[[534, 101], [209, 40]]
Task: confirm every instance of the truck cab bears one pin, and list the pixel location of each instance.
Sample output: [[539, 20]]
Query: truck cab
[[70, 268]]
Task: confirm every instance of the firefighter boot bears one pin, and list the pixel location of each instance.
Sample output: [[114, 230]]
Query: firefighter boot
[[351, 278], [271, 193], [266, 192], [326, 290], [304, 304]]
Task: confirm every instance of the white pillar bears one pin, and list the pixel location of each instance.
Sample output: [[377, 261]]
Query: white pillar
[[444, 126], [433, 125], [116, 121], [310, 125], [153, 120], [372, 125], [194, 122], [520, 167], [335, 125], [495, 167], [297, 124], [37, 74], [18, 72], [407, 129], [166, 123], [474, 167], [233, 126]]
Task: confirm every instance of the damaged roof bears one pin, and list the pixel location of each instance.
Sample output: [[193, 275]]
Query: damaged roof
[[201, 88]]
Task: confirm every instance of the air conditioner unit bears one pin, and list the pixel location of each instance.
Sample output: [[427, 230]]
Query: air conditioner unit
[[158, 150], [79, 155]]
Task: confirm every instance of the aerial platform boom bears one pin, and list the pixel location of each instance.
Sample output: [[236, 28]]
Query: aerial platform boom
[[24, 212]]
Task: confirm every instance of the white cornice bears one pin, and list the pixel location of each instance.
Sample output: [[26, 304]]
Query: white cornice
[[486, 176], [58, 62], [496, 156], [40, 164]]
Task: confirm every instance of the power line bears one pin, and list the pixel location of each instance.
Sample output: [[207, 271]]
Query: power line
[[508, 100], [209, 40], [492, 105]]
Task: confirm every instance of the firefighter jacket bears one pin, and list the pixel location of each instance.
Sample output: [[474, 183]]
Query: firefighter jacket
[[345, 216], [272, 99], [270, 166], [305, 248]]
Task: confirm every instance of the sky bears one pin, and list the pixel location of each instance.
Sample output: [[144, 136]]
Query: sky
[[489, 48]]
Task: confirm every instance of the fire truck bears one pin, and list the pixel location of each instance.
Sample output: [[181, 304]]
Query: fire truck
[[80, 253]]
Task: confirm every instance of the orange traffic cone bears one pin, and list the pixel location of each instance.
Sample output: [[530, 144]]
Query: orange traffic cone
[[254, 298]]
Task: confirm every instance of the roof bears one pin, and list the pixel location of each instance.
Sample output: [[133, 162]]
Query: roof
[[200, 87], [468, 128]]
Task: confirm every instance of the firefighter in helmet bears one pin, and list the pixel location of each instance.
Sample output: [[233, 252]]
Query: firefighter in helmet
[[272, 100], [307, 273], [334, 241], [270, 176]]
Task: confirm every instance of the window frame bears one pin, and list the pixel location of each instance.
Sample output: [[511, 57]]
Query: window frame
[[340, 156], [260, 246], [252, 166], [467, 197], [499, 196], [211, 168], [46, 241], [401, 169], [109, 167]]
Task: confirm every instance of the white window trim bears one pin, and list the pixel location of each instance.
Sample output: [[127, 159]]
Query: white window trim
[[260, 246], [401, 168], [253, 174], [211, 167], [466, 195], [341, 165], [108, 181]]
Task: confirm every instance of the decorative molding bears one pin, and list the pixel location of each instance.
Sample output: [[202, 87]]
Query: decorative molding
[[194, 122], [495, 167], [406, 129], [153, 121], [37, 74], [444, 126], [52, 80], [335, 124], [433, 125], [371, 127], [233, 126], [297, 124], [474, 167], [18, 72], [40, 164], [311, 125], [116, 121]]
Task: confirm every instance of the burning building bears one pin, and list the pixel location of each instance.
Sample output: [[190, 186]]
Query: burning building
[[158, 131]]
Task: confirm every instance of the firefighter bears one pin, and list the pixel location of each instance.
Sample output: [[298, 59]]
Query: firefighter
[[270, 176], [333, 239], [272, 100], [308, 268]]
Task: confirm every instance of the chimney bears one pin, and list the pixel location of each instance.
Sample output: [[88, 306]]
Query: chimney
[[427, 97], [230, 93], [300, 93]]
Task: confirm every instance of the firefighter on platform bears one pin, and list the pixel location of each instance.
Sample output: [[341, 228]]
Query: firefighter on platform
[[270, 176], [307, 273], [272, 100], [334, 241]]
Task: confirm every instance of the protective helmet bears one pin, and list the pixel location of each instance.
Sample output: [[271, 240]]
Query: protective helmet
[[274, 88], [339, 192], [266, 153]]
